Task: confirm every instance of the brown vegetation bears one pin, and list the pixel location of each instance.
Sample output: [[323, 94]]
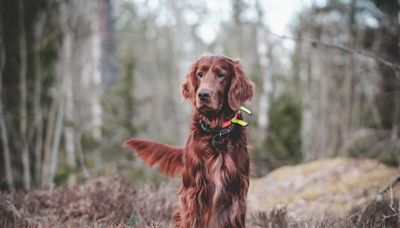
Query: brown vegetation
[[113, 202], [102, 201]]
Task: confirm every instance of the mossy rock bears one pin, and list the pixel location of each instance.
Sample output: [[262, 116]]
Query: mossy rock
[[332, 186]]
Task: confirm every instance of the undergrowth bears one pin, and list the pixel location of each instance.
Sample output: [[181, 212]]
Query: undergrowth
[[112, 202]]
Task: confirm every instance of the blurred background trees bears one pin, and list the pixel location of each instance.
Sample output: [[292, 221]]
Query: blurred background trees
[[79, 77]]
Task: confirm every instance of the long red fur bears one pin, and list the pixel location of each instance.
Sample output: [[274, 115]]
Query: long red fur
[[214, 182], [168, 157]]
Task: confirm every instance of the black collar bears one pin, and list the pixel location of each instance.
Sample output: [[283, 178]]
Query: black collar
[[218, 133], [227, 128]]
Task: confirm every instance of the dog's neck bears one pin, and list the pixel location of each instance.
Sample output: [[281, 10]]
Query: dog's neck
[[215, 119]]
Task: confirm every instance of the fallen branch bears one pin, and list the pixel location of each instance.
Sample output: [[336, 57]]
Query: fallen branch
[[379, 199], [392, 185]]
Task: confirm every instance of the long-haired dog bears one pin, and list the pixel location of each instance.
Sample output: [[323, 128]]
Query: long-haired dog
[[214, 164]]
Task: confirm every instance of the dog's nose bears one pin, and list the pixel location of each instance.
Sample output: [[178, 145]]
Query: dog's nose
[[204, 94]]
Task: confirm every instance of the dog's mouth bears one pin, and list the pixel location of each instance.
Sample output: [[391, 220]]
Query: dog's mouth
[[208, 108], [203, 107]]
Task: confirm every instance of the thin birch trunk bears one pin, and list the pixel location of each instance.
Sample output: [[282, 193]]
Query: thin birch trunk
[[396, 100], [264, 60], [348, 81], [237, 7], [81, 156], [265, 95], [64, 71], [3, 127], [56, 143], [69, 142], [6, 148], [396, 117], [23, 97], [108, 63], [49, 137], [38, 116], [96, 78], [69, 130], [306, 87], [323, 101]]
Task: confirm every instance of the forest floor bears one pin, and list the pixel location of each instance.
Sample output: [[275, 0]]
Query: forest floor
[[328, 193]]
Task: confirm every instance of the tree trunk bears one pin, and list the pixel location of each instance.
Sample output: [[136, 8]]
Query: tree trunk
[[345, 122], [237, 6], [23, 97], [108, 67], [56, 143], [81, 156], [69, 130], [264, 58], [65, 63], [49, 136], [3, 127], [389, 49], [38, 116]]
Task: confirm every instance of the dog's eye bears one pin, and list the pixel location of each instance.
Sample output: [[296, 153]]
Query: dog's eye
[[220, 75], [200, 74]]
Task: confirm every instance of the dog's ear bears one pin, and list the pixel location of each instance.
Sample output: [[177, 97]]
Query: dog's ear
[[189, 86], [241, 88]]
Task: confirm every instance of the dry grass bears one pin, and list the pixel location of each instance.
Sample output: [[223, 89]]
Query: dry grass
[[380, 214], [101, 202], [112, 202]]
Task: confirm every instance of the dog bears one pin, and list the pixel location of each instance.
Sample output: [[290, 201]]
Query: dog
[[214, 164]]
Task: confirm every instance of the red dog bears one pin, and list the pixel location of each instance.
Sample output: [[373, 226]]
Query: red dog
[[215, 163]]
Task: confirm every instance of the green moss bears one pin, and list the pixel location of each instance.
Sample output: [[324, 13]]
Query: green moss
[[61, 177], [376, 145], [284, 140]]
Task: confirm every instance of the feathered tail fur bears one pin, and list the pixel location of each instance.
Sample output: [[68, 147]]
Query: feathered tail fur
[[169, 158]]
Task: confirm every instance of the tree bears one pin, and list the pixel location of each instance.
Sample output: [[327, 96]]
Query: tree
[[23, 96], [340, 97], [3, 127]]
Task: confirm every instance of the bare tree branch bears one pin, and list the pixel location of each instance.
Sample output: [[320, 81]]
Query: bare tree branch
[[393, 184], [315, 42]]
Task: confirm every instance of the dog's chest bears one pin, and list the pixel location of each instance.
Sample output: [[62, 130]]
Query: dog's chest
[[215, 167]]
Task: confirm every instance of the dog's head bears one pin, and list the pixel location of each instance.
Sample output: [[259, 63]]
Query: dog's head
[[217, 81]]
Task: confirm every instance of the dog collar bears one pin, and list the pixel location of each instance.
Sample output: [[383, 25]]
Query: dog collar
[[227, 127], [237, 121]]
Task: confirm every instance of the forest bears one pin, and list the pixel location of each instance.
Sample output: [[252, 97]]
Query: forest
[[77, 78]]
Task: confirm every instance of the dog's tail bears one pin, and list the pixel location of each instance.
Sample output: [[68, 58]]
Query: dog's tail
[[169, 158]]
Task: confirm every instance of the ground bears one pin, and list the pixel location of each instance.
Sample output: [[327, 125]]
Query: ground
[[332, 186], [328, 193]]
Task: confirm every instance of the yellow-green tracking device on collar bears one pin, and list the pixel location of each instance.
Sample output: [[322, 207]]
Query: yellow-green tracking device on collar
[[239, 122], [246, 110]]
